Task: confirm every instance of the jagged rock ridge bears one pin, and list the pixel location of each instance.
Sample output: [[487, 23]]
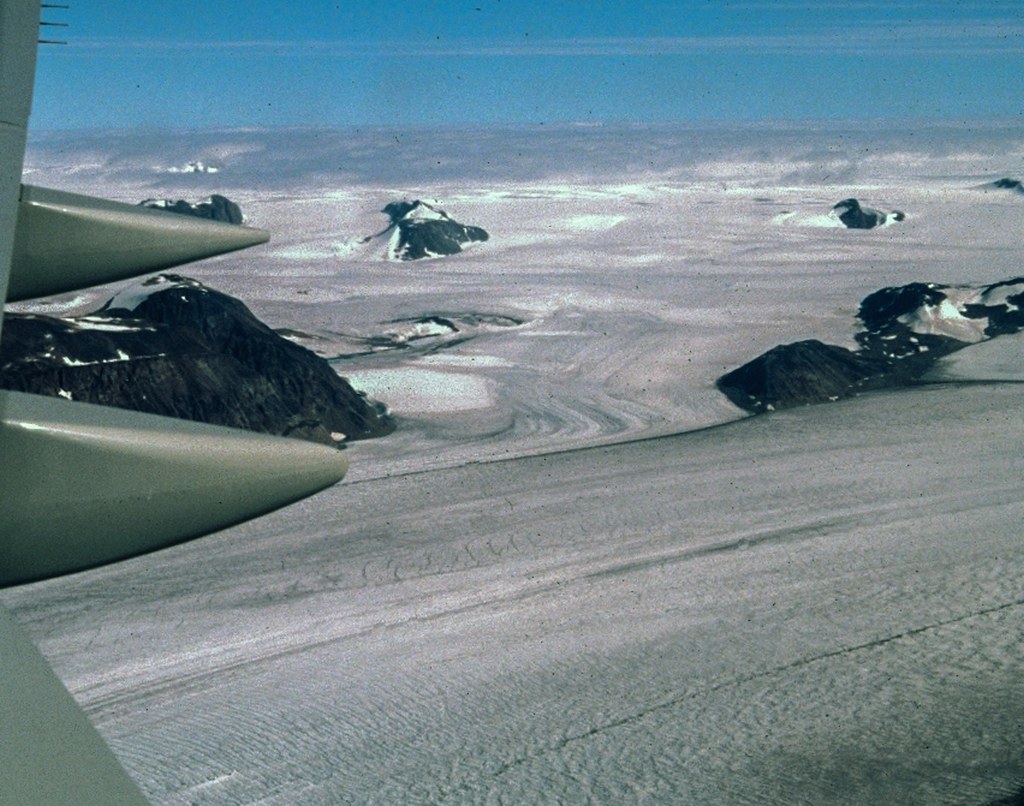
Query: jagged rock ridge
[[174, 347], [907, 328]]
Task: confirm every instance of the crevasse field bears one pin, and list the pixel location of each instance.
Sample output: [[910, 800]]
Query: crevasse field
[[576, 573]]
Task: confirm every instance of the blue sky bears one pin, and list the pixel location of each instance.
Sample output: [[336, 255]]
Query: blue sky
[[154, 63]]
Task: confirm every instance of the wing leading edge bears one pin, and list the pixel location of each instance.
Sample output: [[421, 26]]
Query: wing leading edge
[[95, 466], [84, 485], [64, 241]]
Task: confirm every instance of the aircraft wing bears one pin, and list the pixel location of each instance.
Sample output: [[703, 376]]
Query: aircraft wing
[[50, 754], [64, 241], [84, 485], [115, 483]]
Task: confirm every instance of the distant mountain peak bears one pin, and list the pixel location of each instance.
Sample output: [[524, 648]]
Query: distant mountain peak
[[1003, 184], [196, 167], [416, 210], [215, 208], [854, 216], [422, 230]]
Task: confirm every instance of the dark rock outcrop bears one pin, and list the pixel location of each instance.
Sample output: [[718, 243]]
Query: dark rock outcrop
[[421, 230], [216, 208], [922, 317], [800, 373], [1008, 184], [907, 329], [854, 216], [882, 308], [171, 346]]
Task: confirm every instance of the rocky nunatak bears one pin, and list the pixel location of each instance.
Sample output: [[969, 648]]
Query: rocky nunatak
[[215, 208], [421, 230], [906, 329], [855, 216], [1006, 183], [174, 347]]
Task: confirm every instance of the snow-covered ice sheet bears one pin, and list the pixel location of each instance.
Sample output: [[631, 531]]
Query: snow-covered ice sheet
[[409, 390], [1000, 359], [538, 589], [817, 606]]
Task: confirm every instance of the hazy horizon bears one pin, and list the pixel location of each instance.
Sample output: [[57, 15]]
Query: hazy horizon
[[427, 157]]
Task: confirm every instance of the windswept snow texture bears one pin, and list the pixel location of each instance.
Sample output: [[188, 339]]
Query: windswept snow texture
[[538, 590]]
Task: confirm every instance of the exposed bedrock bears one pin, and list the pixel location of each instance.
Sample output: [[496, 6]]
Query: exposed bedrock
[[795, 374], [854, 216], [422, 230], [906, 329], [1004, 184], [215, 208], [174, 347]]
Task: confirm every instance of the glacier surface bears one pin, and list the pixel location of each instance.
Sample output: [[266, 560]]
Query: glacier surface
[[576, 573]]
